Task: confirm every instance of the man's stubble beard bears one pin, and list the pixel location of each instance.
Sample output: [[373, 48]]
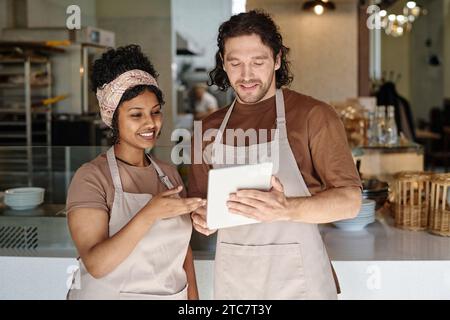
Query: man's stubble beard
[[258, 97]]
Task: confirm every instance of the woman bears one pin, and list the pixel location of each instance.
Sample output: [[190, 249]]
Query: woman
[[129, 224]]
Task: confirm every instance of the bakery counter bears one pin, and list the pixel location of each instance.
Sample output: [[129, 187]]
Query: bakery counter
[[379, 262]]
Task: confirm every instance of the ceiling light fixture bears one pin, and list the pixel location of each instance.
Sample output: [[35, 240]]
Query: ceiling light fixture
[[319, 6], [398, 24]]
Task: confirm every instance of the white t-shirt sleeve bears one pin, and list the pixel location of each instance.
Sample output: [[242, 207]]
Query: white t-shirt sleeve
[[208, 102], [211, 101]]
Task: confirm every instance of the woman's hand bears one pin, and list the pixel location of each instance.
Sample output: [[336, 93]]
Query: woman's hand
[[167, 204], [199, 221]]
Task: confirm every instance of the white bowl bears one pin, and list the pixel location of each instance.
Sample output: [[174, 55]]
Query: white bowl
[[24, 191], [355, 224], [365, 214], [23, 206], [24, 198], [352, 227]]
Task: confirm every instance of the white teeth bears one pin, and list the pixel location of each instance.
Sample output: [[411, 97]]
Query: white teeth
[[146, 134]]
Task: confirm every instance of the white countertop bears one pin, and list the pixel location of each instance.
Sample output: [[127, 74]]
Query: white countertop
[[376, 263], [379, 241]]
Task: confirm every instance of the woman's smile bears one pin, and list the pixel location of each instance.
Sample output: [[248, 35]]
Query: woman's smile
[[147, 135]]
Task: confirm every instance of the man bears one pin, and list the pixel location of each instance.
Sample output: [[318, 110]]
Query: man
[[205, 102], [316, 180]]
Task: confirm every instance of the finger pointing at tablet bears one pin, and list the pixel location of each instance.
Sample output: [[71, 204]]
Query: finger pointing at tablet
[[199, 221]]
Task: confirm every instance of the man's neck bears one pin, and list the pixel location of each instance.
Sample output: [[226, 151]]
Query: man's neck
[[266, 97]]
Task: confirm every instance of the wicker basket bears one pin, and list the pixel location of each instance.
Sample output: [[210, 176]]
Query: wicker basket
[[440, 205], [412, 200]]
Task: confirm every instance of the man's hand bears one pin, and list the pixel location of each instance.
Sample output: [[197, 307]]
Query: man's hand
[[199, 221], [266, 206]]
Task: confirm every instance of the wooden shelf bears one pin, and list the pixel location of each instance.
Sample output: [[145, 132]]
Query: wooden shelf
[[22, 60], [22, 111], [13, 123], [10, 73], [21, 173], [37, 103], [13, 135], [32, 46], [21, 85], [22, 144]]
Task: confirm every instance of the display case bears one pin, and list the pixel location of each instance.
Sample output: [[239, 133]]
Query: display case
[[383, 162]]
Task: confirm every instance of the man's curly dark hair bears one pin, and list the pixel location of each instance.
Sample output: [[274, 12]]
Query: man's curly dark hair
[[112, 64], [247, 23]]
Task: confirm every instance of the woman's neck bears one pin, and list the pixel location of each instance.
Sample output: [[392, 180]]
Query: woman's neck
[[132, 156]]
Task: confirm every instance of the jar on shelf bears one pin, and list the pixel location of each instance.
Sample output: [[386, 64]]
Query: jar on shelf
[[381, 125], [440, 205], [391, 127]]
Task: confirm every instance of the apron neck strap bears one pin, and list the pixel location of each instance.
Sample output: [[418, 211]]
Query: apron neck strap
[[162, 177], [223, 125], [281, 117], [114, 169]]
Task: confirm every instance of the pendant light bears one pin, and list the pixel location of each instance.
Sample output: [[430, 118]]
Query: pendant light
[[319, 6]]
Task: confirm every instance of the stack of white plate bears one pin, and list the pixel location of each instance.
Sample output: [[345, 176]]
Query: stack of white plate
[[24, 198], [365, 216]]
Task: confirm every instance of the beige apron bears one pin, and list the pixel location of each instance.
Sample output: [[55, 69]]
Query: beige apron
[[154, 269], [278, 260]]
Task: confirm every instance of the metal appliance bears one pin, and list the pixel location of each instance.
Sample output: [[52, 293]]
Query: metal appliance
[[71, 70]]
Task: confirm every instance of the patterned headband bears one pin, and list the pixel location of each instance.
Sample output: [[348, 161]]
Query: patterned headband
[[110, 94]]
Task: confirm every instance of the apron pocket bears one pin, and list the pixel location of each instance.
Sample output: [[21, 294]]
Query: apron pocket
[[182, 295], [260, 272]]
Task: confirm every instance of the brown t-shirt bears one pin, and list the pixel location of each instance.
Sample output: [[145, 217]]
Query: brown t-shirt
[[315, 132], [92, 185]]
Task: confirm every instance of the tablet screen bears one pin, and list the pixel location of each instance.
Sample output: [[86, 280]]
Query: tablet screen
[[222, 182]]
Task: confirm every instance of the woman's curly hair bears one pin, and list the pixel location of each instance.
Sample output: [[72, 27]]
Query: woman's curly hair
[[112, 64], [247, 23]]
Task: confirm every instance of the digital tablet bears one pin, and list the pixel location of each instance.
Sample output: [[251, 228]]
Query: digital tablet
[[222, 182]]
